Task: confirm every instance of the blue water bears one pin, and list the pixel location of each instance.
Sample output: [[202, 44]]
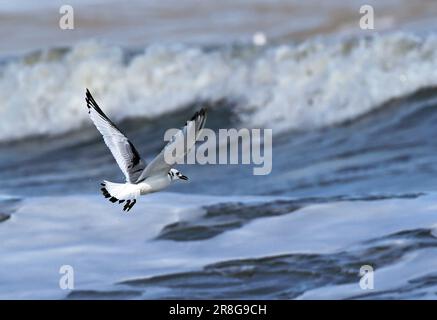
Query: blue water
[[352, 182]]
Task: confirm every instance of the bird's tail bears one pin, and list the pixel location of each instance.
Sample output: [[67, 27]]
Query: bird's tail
[[121, 192]]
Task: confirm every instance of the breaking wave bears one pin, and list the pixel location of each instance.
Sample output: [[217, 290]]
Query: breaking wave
[[303, 86]]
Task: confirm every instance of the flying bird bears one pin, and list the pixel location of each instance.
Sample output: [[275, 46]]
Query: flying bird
[[141, 179]]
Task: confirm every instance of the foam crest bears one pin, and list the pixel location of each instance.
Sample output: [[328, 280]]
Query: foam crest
[[285, 87]]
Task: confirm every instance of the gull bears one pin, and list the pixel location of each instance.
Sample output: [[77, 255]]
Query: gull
[[141, 179]]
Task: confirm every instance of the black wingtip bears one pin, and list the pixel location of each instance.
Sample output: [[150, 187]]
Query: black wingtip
[[90, 100], [201, 112], [91, 103], [88, 97]]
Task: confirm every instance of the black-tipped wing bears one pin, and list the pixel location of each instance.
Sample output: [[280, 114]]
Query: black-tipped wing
[[122, 149], [158, 164]]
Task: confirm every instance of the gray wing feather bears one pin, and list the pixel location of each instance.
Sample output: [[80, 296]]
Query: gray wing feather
[[122, 149], [158, 164]]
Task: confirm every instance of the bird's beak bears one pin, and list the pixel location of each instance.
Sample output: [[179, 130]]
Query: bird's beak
[[183, 177]]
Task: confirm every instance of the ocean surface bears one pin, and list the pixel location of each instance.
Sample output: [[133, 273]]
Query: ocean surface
[[353, 181]]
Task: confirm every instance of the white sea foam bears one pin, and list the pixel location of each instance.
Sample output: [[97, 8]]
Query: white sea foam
[[105, 246], [309, 85]]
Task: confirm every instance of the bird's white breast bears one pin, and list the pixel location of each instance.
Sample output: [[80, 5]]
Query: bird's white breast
[[154, 183]]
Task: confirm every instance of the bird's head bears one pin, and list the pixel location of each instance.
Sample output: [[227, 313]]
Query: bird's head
[[176, 175]]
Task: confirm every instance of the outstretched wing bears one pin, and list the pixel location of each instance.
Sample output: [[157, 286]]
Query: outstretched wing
[[158, 164], [122, 149]]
